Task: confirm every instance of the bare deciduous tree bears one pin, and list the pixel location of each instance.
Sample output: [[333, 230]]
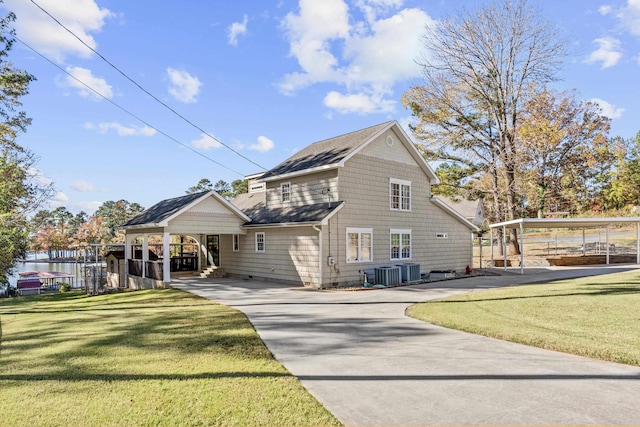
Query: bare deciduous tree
[[477, 68]]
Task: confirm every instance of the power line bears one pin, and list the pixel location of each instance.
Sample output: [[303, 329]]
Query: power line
[[125, 110], [146, 91]]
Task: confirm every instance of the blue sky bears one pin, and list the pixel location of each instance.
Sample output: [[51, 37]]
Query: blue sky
[[264, 77]]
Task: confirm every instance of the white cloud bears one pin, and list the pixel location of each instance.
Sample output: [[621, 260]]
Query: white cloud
[[38, 177], [60, 197], [184, 87], [629, 17], [121, 130], [82, 186], [357, 103], [89, 207], [84, 75], [206, 142], [388, 52], [310, 33], [82, 17], [605, 9], [608, 109], [372, 8], [609, 52], [263, 145], [237, 29], [366, 57]]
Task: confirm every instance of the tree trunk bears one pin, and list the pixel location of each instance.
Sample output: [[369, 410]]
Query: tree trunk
[[542, 196], [511, 208]]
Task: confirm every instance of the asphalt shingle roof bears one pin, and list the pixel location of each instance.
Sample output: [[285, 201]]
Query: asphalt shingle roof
[[261, 215], [327, 152], [163, 210]]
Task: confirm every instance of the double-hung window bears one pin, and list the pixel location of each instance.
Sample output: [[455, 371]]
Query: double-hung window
[[285, 192], [400, 247], [260, 242], [359, 244], [399, 194]]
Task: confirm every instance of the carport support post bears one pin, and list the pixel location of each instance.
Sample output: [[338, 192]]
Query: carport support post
[[491, 240], [504, 246], [637, 242], [521, 249], [607, 243], [166, 258]]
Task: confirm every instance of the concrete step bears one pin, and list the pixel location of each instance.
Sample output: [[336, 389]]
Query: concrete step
[[212, 272]]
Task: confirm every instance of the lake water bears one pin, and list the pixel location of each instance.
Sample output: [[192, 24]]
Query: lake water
[[69, 268]]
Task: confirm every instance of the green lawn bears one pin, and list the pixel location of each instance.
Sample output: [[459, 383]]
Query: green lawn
[[158, 357], [597, 317]]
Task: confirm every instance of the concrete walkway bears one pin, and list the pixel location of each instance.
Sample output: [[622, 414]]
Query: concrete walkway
[[370, 365]]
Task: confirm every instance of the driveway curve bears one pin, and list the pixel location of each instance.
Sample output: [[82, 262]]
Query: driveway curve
[[371, 365]]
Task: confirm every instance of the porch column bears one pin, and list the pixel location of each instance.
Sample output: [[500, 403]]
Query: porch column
[[166, 257], [204, 255], [128, 238], [145, 253], [198, 238]]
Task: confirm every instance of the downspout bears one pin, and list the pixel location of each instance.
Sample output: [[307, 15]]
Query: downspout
[[320, 255]]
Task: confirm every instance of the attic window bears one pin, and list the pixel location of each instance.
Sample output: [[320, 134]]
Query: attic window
[[389, 141]]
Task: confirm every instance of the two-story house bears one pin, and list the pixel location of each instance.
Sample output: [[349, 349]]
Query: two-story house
[[327, 215]]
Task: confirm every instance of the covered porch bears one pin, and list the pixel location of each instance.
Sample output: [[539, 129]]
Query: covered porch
[[178, 235]]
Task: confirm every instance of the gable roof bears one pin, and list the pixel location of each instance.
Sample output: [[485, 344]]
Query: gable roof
[[457, 215], [470, 209], [162, 212], [334, 152]]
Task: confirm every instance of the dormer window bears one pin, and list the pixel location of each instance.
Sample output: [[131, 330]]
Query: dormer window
[[285, 192]]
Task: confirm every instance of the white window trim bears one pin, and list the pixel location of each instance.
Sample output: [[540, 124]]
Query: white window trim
[[264, 242], [400, 231], [360, 232], [235, 242], [400, 182], [282, 193]]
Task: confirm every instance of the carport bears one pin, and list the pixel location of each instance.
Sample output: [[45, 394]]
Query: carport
[[554, 223]]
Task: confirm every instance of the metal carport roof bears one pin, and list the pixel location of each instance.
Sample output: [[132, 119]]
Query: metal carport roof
[[580, 223]]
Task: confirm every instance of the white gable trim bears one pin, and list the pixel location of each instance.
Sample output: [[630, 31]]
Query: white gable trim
[[216, 196], [406, 142], [442, 205]]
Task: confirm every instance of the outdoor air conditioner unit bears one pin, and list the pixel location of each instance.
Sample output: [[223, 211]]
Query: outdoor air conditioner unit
[[409, 272], [388, 275]]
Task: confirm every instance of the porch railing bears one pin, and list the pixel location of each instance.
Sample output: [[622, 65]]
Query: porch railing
[[135, 267], [184, 263], [154, 270]]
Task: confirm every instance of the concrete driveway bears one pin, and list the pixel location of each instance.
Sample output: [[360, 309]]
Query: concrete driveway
[[370, 365]]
